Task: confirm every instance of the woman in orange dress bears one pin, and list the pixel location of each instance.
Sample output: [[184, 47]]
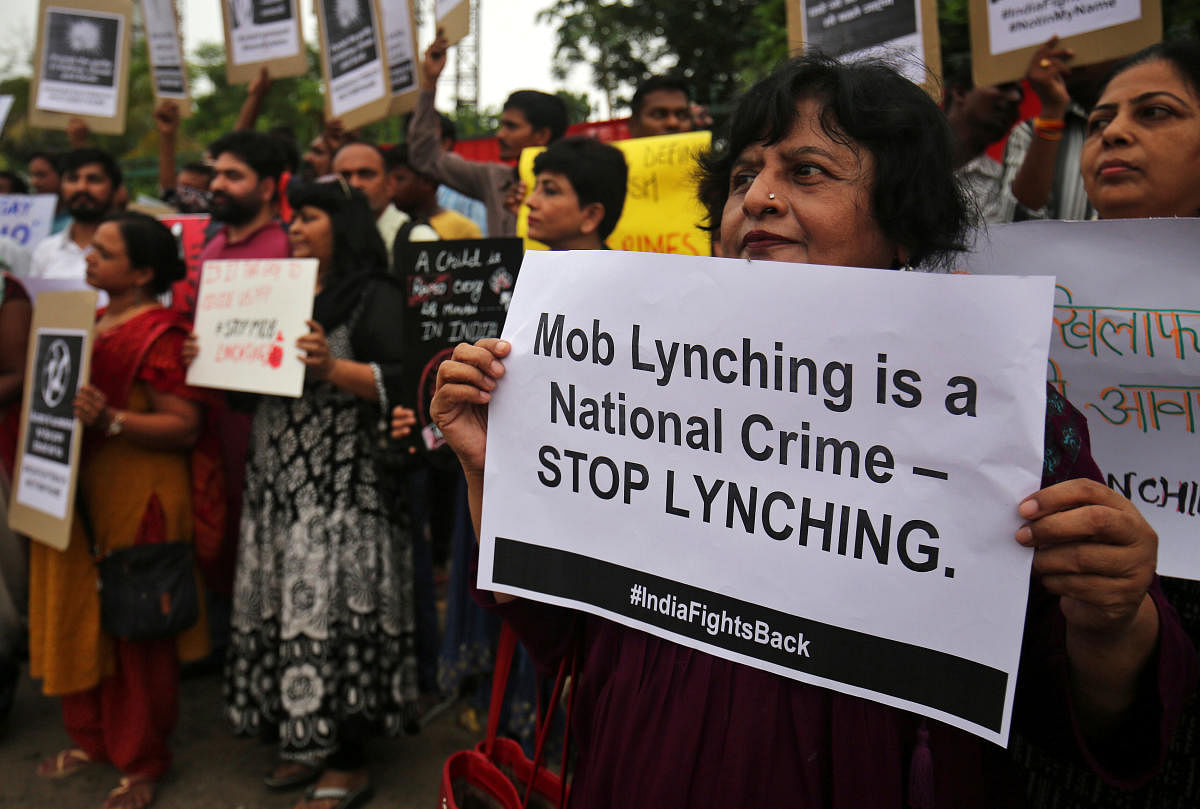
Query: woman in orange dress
[[120, 698]]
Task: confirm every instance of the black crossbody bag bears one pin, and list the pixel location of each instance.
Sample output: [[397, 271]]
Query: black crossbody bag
[[147, 592]]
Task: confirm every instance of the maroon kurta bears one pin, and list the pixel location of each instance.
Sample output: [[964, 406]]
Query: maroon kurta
[[658, 725]]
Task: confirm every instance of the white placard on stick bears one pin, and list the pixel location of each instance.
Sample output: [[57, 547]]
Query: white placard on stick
[[400, 39], [1126, 352], [249, 314], [262, 33], [82, 64], [722, 471], [47, 463], [166, 52], [353, 61]]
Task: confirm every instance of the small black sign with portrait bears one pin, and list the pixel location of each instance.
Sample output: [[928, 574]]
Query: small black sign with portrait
[[81, 49]]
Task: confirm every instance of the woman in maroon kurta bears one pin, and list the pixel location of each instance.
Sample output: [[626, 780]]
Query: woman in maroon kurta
[[849, 165]]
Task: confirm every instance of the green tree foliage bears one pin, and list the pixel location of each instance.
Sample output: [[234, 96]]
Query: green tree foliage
[[720, 46]]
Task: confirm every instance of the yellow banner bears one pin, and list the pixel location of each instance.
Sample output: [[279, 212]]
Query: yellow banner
[[662, 214]]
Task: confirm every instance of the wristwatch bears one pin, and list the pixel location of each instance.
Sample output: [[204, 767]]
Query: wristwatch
[[116, 423]]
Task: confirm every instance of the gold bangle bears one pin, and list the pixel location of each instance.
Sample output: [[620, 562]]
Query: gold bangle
[[1049, 135]]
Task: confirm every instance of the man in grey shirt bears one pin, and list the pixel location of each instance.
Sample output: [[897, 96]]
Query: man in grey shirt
[[529, 118]]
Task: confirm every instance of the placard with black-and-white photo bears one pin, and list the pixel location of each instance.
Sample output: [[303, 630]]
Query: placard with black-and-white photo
[[45, 477], [400, 41], [48, 446], [81, 64], [166, 52], [262, 33], [901, 32], [352, 59]]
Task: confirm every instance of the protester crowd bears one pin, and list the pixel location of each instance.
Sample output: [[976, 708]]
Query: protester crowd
[[317, 533]]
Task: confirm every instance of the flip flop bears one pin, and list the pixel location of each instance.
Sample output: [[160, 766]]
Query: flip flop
[[346, 798], [303, 775], [64, 763], [127, 785]]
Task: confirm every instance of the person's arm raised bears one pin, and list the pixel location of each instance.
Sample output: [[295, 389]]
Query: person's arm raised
[[1047, 76]]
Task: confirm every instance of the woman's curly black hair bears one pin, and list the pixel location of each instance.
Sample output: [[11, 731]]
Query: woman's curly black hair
[[357, 245], [917, 200]]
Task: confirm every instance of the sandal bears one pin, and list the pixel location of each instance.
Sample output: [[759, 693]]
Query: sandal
[[291, 775], [346, 797], [131, 793], [64, 763]]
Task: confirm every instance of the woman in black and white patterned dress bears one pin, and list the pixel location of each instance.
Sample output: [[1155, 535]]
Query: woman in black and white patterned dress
[[322, 629]]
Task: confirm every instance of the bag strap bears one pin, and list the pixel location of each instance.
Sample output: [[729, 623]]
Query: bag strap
[[504, 656], [567, 666]]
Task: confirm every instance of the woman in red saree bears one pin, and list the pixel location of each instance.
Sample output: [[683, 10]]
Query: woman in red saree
[[120, 698]]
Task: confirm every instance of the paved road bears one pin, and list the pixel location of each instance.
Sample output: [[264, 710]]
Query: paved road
[[213, 769]]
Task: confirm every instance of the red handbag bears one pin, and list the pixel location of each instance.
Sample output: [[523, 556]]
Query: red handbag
[[497, 774]]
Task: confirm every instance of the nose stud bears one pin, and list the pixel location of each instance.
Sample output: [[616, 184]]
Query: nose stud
[[770, 196]]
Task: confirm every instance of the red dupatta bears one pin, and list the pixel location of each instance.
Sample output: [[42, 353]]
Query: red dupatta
[[119, 355]]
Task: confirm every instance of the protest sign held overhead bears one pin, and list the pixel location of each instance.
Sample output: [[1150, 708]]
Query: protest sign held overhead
[[454, 17], [902, 32], [249, 314], [721, 471], [81, 65], [661, 213], [165, 47], [457, 292], [353, 61], [262, 33], [400, 41], [27, 219], [1005, 33], [47, 465], [1126, 352]]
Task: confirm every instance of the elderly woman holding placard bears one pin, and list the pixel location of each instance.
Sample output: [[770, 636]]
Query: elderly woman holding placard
[[850, 165]]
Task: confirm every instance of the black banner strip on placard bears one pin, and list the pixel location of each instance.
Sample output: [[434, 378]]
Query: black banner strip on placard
[[960, 687]]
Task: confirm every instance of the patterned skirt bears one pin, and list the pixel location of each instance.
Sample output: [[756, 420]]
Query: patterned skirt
[[322, 636]]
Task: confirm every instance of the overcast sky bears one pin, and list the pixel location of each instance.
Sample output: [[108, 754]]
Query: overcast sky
[[515, 50]]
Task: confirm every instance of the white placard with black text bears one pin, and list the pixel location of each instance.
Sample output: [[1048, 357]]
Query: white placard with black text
[[718, 452]]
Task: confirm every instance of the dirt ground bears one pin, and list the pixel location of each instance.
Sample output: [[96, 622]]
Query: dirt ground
[[212, 767]]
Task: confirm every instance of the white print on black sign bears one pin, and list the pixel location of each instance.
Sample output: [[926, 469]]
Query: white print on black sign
[[351, 34], [45, 473], [80, 63], [81, 48]]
